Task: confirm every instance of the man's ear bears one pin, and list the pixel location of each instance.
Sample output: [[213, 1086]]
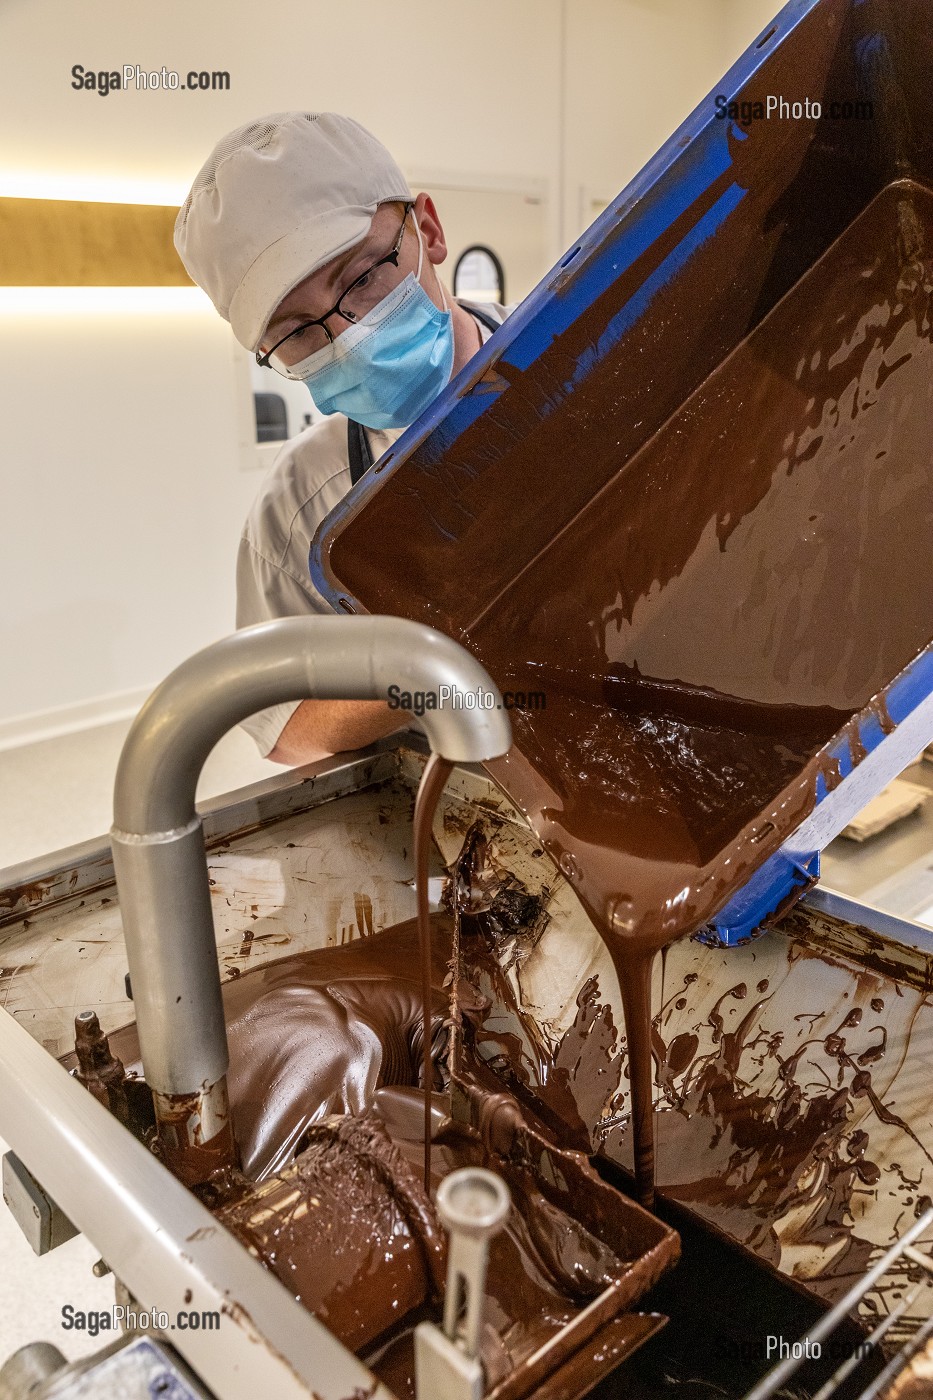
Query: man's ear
[[432, 232]]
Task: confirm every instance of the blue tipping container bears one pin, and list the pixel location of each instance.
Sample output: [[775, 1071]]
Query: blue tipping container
[[688, 261]]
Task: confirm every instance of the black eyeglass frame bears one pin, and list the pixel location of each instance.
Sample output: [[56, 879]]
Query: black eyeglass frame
[[390, 257]]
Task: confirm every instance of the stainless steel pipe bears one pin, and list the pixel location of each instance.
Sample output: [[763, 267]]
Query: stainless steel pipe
[[158, 843]]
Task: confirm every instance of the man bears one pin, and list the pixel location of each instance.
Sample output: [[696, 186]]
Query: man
[[304, 233]]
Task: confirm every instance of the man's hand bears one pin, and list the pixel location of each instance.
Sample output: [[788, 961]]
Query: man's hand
[[319, 728]]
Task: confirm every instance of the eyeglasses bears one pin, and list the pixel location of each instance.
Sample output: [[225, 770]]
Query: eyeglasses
[[355, 302]]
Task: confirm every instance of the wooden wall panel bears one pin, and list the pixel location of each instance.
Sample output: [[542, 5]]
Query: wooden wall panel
[[70, 243]]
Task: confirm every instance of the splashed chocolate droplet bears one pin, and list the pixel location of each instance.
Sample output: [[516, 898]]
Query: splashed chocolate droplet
[[857, 1143], [681, 1051]]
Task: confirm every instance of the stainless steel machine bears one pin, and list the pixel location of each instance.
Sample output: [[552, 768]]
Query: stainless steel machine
[[751, 502], [321, 857], [114, 1153]]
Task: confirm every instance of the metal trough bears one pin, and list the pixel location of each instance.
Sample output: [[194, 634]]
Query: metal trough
[[321, 857]]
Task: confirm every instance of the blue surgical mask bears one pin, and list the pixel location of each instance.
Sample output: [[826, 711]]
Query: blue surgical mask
[[385, 370]]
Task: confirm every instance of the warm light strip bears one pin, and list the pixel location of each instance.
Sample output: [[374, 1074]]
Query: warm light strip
[[93, 189], [57, 301]]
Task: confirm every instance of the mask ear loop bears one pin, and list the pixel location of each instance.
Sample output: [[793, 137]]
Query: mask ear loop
[[421, 260]]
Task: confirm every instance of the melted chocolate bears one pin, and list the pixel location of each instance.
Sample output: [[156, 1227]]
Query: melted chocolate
[[735, 612], [349, 1228], [543, 1267], [436, 772], [741, 584], [316, 1034], [330, 1197]]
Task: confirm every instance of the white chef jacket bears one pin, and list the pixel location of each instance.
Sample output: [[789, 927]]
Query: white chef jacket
[[307, 479]]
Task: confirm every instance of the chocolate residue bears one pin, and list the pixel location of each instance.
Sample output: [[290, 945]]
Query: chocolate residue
[[340, 1213], [565, 1082], [690, 678], [101, 1073], [437, 771], [758, 1141], [785, 1155], [315, 1034], [715, 594]]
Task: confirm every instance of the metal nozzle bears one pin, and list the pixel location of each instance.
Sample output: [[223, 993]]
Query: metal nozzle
[[158, 845]]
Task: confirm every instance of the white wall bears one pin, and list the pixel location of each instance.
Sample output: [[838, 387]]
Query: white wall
[[435, 100], [634, 70], [745, 20], [122, 504]]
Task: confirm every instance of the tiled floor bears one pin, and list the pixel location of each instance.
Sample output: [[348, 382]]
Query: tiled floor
[[54, 794]]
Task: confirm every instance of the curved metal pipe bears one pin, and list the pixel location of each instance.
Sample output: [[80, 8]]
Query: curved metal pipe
[[158, 844]]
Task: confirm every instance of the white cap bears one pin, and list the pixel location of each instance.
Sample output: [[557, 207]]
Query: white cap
[[274, 201]]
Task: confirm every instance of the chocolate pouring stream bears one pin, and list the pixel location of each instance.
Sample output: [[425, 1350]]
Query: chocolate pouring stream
[[436, 772], [737, 590]]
